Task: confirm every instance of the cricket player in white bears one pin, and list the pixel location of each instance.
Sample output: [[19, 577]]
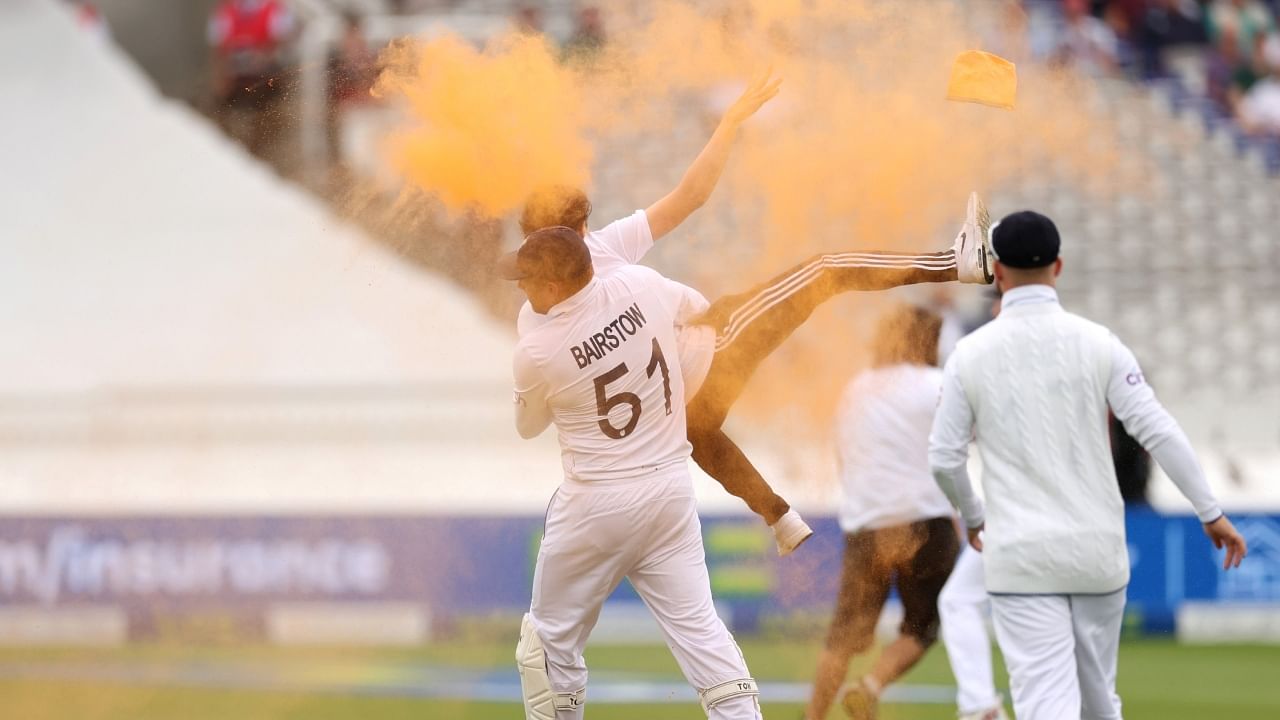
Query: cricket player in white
[[1033, 387], [963, 607], [604, 368]]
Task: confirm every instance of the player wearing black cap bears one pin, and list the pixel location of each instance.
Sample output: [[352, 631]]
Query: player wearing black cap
[[1034, 386]]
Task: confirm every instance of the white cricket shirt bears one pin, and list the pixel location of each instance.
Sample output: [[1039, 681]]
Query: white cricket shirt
[[1033, 387], [605, 368], [624, 242], [882, 435]]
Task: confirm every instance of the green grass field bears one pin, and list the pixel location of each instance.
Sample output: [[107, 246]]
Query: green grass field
[[1158, 680]]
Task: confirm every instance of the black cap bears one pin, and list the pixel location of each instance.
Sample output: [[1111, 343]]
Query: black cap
[[555, 253], [1025, 239]]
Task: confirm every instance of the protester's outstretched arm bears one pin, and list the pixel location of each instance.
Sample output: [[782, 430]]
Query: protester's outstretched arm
[[701, 177]]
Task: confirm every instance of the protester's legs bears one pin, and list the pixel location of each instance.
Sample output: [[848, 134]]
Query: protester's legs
[[963, 607], [723, 460], [1036, 636], [864, 587], [672, 581], [1097, 620], [919, 579], [753, 324]]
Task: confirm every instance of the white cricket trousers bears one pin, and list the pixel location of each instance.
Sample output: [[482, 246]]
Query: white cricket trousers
[[646, 530], [963, 607], [1061, 653]]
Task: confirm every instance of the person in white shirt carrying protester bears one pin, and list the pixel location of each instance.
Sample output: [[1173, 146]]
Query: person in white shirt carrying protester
[[620, 446], [899, 529], [626, 507], [1033, 387], [722, 347]]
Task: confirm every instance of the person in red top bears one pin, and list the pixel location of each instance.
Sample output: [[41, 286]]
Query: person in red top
[[248, 38], [90, 19]]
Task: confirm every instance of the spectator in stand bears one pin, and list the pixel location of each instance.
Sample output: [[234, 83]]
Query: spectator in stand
[[1230, 73], [1008, 35], [352, 70], [1165, 23], [1259, 109], [1086, 43], [353, 65], [1124, 18], [528, 20], [91, 20], [1248, 18], [1127, 14], [588, 37], [249, 39]]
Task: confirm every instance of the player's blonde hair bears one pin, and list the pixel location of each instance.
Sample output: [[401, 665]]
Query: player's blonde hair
[[555, 205]]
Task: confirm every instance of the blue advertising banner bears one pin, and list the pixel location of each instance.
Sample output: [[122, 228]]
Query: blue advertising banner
[[1173, 562], [160, 567]]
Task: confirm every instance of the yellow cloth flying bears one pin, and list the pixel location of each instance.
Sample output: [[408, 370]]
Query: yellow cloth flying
[[983, 78]]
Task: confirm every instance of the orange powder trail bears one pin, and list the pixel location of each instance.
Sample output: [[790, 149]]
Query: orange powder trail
[[859, 151], [859, 140], [491, 126]]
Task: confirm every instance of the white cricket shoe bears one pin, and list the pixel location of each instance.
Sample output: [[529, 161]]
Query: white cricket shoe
[[790, 531], [995, 713], [973, 245]]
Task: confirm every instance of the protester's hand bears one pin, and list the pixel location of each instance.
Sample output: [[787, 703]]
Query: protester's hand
[[975, 537], [759, 91], [1223, 534]]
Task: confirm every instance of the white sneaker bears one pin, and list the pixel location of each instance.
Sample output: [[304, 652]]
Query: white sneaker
[[973, 245], [790, 531], [995, 713]]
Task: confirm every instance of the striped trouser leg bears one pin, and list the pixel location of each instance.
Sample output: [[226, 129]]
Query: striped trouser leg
[[753, 324]]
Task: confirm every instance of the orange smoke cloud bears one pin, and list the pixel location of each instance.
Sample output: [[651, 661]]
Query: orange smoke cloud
[[861, 150], [490, 126], [859, 140]]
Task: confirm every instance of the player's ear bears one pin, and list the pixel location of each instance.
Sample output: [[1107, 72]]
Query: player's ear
[[1057, 267]]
